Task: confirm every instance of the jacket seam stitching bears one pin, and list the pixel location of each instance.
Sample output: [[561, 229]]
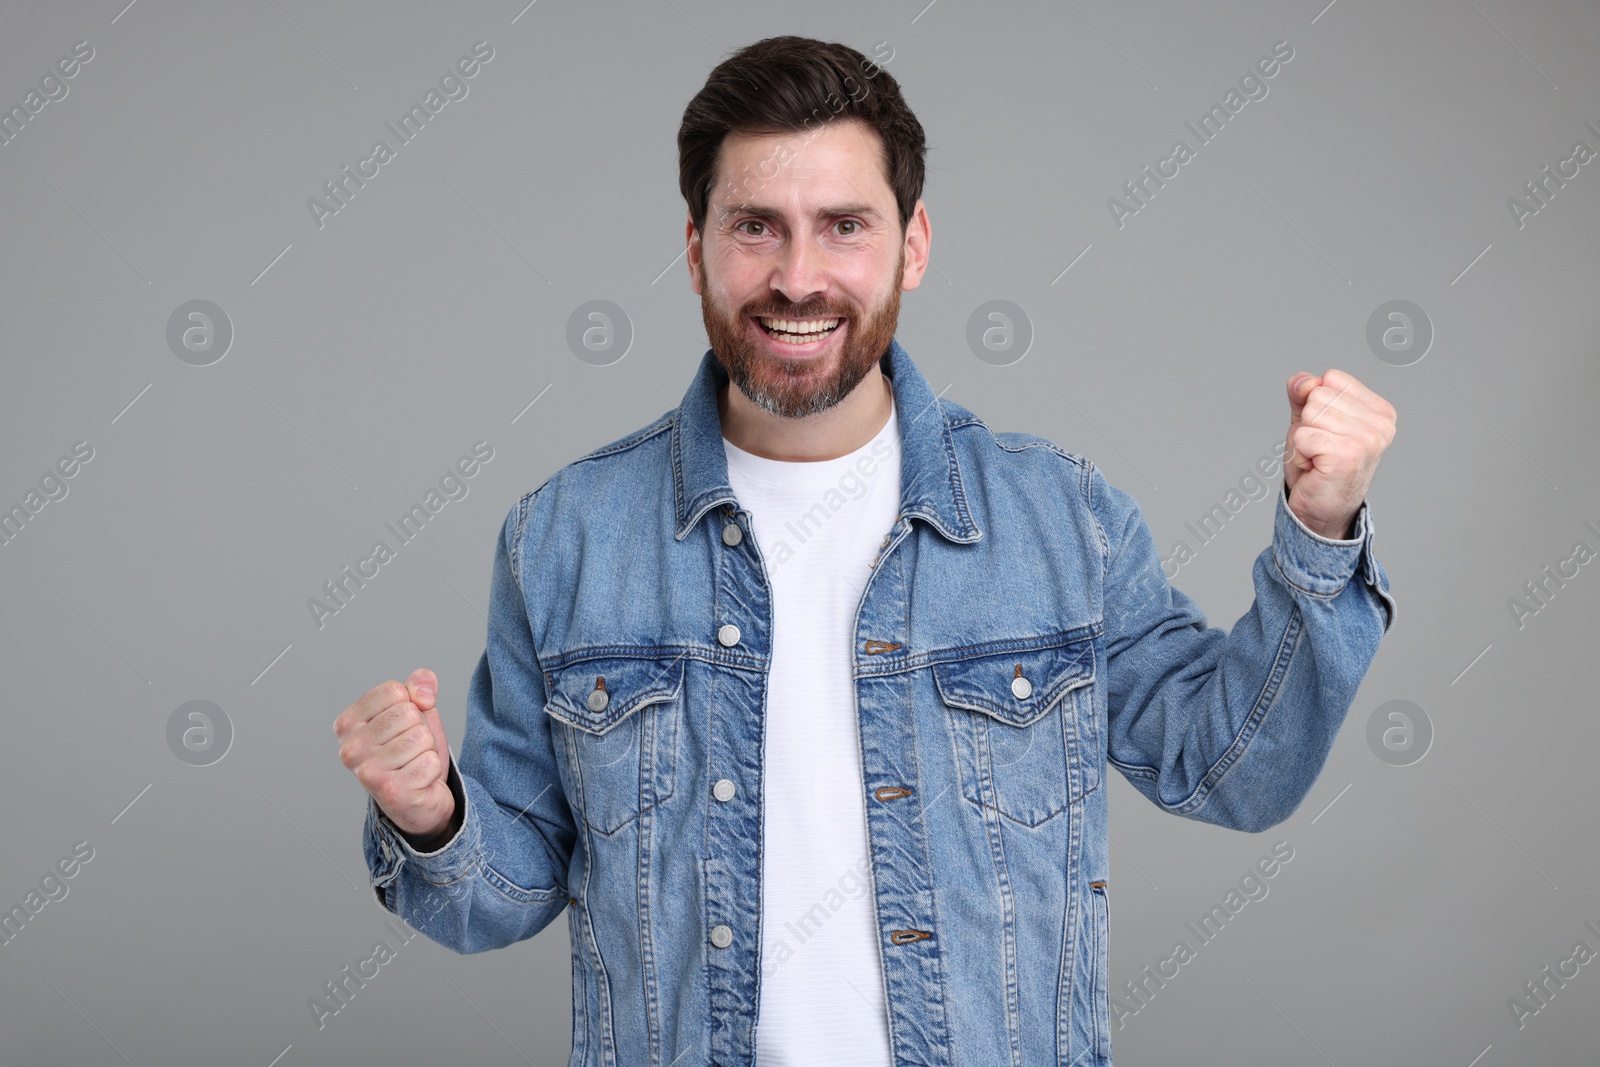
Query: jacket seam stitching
[[521, 896], [957, 487], [523, 507], [1008, 921], [1291, 583], [1086, 488], [633, 440], [516, 538], [1288, 644]]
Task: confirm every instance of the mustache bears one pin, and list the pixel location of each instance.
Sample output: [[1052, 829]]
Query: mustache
[[799, 313]]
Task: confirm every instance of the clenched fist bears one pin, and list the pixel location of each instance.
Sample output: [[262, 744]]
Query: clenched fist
[[392, 740], [1338, 430]]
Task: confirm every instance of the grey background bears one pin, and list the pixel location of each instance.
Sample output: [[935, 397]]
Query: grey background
[[432, 310]]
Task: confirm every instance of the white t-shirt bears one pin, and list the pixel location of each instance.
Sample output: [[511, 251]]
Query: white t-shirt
[[820, 525]]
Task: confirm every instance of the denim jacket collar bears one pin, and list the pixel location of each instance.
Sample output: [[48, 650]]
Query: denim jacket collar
[[930, 475]]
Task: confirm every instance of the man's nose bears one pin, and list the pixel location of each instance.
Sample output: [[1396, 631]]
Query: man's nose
[[801, 270]]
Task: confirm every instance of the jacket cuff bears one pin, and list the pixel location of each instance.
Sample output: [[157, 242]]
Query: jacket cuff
[[387, 847], [1322, 566], [1310, 562]]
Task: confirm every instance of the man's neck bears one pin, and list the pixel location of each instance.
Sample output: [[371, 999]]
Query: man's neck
[[839, 431]]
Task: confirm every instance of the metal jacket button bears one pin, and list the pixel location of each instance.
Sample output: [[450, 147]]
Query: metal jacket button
[[723, 790], [598, 697], [1021, 687], [721, 936], [729, 634], [731, 534]]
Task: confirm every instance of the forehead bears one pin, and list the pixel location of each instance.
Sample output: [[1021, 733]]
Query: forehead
[[839, 159]]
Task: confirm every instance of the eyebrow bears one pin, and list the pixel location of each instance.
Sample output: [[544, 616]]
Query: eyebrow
[[761, 211]]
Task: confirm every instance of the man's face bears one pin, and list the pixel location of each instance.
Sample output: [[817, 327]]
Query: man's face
[[801, 227]]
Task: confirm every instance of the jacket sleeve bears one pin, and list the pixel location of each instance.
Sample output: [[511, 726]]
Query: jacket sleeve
[[1233, 728], [501, 878]]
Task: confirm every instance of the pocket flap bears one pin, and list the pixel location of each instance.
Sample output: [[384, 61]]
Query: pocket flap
[[1015, 685], [595, 693]]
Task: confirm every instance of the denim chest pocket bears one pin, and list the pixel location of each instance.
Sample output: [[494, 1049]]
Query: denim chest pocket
[[621, 712], [1023, 725]]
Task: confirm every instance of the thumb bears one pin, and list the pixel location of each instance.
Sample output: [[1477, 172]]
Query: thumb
[[424, 687], [1295, 464], [1300, 387]]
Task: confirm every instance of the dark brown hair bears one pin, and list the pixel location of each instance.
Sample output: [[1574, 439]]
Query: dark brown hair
[[788, 85]]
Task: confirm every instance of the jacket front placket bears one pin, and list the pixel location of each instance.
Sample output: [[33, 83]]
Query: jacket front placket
[[741, 621], [909, 938]]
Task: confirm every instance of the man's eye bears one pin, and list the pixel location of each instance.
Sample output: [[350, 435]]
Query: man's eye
[[855, 227]]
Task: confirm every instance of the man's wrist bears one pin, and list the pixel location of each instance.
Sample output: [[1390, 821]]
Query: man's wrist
[[432, 842], [438, 839], [1343, 533], [1350, 532]]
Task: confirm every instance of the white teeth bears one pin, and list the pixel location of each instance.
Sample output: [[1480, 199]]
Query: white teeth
[[797, 326]]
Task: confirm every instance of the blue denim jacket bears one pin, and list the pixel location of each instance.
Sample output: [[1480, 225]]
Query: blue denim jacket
[[1016, 635]]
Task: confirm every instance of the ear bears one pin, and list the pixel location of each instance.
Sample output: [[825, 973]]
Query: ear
[[919, 241], [696, 271]]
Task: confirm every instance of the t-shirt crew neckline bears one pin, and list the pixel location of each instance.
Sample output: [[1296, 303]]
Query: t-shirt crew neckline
[[789, 471]]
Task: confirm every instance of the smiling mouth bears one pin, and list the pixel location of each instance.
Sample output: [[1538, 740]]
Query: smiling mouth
[[797, 332]]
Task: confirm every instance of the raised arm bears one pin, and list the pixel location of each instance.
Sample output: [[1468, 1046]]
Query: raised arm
[[473, 854]]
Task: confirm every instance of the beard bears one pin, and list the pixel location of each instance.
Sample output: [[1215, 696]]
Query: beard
[[795, 388]]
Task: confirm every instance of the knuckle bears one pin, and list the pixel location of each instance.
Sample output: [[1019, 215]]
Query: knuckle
[[400, 717], [424, 768]]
